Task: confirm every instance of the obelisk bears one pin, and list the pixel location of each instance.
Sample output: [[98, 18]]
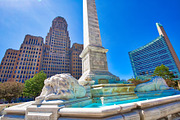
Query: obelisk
[[94, 60]]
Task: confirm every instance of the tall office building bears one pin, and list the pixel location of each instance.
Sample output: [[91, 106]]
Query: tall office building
[[20, 65], [145, 59], [29, 59], [75, 60], [56, 59]]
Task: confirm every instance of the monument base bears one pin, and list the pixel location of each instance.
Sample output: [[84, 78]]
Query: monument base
[[98, 77], [95, 69]]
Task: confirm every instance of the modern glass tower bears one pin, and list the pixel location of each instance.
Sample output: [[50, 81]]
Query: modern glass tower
[[145, 59]]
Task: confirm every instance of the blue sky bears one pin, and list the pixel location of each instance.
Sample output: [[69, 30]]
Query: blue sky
[[124, 24]]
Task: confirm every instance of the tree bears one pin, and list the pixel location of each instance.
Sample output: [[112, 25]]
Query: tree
[[33, 86], [168, 76], [163, 72], [10, 90]]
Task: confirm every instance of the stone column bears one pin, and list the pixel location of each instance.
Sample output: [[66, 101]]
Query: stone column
[[94, 60]]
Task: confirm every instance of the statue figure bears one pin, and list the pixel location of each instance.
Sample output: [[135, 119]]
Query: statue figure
[[61, 86]]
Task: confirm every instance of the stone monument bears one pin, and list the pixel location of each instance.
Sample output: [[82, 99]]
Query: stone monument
[[94, 61]]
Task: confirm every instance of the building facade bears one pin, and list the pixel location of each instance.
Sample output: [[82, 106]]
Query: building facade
[[56, 58], [145, 59], [8, 63], [75, 60], [20, 65], [29, 59]]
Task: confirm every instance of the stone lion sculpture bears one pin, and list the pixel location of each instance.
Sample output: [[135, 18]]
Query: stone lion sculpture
[[61, 86], [156, 83]]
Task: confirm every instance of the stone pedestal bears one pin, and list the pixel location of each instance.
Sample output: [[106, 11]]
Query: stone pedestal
[[95, 69]]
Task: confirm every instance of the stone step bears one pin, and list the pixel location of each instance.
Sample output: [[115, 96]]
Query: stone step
[[39, 116]]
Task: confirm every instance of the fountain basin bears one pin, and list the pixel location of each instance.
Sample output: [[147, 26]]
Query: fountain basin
[[142, 110]]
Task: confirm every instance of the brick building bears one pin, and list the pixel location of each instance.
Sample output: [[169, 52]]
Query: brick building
[[29, 59], [75, 60], [8, 64], [19, 65]]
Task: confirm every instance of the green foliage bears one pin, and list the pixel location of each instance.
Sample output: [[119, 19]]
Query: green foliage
[[168, 76], [163, 72], [33, 86], [10, 90], [137, 81]]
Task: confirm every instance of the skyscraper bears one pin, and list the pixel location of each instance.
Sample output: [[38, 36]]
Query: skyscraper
[[75, 60], [56, 59], [145, 59]]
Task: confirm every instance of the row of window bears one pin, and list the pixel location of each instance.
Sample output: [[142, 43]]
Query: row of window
[[34, 42], [22, 76], [7, 63], [30, 52], [28, 68], [12, 53], [27, 63], [56, 69], [9, 60], [29, 48], [11, 56], [25, 72], [6, 71], [26, 59]]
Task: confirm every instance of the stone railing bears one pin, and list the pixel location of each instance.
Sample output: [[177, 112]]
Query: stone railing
[[144, 110]]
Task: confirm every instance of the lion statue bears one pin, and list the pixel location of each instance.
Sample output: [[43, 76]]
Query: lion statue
[[156, 83], [61, 86]]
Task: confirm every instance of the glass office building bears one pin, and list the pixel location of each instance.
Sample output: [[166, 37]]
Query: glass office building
[[145, 59]]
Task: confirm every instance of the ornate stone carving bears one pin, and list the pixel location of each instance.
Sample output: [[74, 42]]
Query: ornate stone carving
[[61, 86], [156, 83]]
